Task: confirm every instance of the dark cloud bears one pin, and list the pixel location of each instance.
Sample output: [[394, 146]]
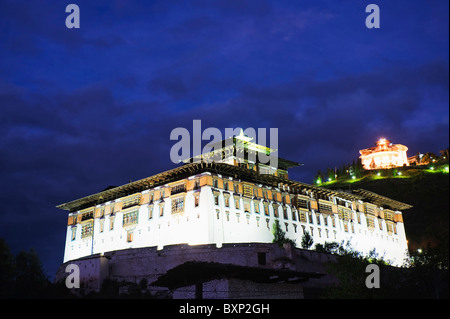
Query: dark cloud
[[88, 108]]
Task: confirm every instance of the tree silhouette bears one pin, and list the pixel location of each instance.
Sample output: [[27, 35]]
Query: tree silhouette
[[307, 240], [279, 236]]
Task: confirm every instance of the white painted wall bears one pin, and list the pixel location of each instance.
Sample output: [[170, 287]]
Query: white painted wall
[[200, 225]]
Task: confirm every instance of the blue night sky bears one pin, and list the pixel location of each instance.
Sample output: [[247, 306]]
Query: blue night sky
[[81, 109]]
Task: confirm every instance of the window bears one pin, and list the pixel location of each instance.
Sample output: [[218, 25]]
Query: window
[[248, 191], [246, 205], [132, 201], [130, 218], [261, 259], [177, 205], [389, 216], [130, 236], [256, 204], [180, 188], [275, 210], [215, 183], [218, 213], [196, 199], [324, 208], [369, 209], [344, 214], [318, 219], [236, 202], [102, 224], [111, 222], [86, 229], [266, 209], [150, 212], [302, 216], [87, 216], [161, 209], [285, 214], [227, 200], [74, 232], [216, 198], [370, 223], [303, 203]]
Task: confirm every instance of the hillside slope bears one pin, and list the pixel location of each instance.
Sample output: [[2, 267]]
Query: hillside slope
[[428, 221]]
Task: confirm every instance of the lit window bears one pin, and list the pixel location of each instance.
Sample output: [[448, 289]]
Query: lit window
[[87, 229], [130, 218], [150, 212], [216, 198], [196, 199], [178, 205], [248, 191], [130, 234], [131, 201], [111, 222], [74, 232], [236, 202], [256, 204], [102, 224]]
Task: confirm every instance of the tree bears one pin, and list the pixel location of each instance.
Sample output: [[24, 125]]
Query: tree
[[30, 280], [22, 276], [319, 178], [328, 247], [444, 155], [428, 158], [307, 240], [6, 269], [279, 236]]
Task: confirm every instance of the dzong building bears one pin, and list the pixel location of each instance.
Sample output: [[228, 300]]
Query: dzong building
[[221, 212]]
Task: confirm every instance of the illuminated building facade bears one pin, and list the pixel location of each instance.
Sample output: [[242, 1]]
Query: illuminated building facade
[[226, 202], [384, 155]]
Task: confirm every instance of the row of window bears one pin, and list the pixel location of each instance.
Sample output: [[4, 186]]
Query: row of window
[[131, 218]]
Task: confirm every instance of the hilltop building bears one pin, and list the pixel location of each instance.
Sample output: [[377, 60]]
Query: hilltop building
[[384, 155], [232, 201]]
